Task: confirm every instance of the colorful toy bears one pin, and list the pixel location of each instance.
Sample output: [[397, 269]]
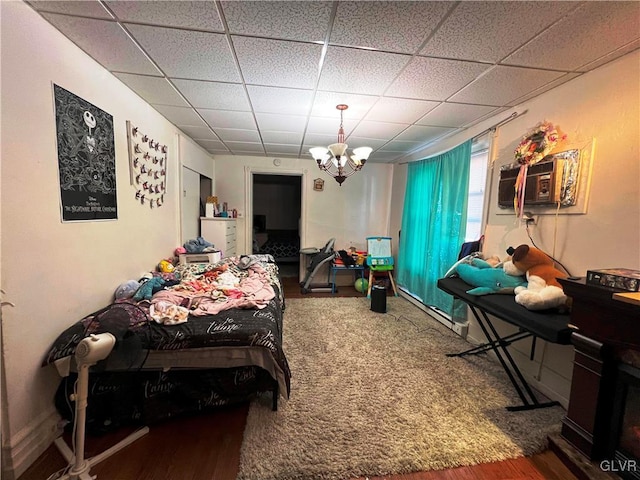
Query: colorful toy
[[127, 289], [145, 292], [488, 279], [361, 285], [165, 266], [543, 290]]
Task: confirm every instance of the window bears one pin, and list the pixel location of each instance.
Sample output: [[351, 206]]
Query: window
[[477, 185]]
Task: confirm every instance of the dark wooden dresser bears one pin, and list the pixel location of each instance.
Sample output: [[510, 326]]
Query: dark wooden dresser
[[607, 347]]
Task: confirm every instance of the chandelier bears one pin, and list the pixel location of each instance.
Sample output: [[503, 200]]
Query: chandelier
[[334, 159]]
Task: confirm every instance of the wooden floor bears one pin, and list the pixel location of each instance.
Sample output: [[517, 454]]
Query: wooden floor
[[207, 447]]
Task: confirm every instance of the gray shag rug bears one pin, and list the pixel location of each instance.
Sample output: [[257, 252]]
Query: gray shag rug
[[374, 394]]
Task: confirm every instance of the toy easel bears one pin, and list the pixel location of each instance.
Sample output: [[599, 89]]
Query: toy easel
[[380, 261]]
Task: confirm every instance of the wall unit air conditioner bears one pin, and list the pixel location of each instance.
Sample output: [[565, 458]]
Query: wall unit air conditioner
[[543, 185]]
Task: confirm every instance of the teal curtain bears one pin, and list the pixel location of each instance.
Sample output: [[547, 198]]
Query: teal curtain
[[433, 225]]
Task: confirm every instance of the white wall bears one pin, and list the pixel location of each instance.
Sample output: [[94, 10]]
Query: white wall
[[57, 273], [602, 105], [196, 162], [350, 213]]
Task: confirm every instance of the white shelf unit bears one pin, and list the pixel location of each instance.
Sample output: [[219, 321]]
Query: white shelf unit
[[221, 232]]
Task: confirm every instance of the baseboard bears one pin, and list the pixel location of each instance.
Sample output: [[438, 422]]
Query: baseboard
[[459, 328], [24, 448]]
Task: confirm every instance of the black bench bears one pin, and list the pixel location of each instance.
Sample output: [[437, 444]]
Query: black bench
[[547, 325]]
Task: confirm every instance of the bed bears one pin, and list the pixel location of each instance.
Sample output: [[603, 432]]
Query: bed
[[229, 349], [283, 245]]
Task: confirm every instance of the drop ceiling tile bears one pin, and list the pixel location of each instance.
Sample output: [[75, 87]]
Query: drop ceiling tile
[[180, 115], [514, 82], [391, 26], [385, 131], [188, 54], [211, 144], [199, 133], [231, 135], [154, 90], [593, 30], [434, 78], [281, 123], [484, 117], [454, 114], [277, 63], [630, 47], [399, 110], [421, 134], [228, 119], [306, 21], [488, 31], [245, 147], [278, 149], [288, 101], [375, 143], [281, 138], [317, 139], [200, 15], [215, 95], [400, 146], [82, 8], [383, 157], [563, 79], [324, 105], [105, 41], [360, 71], [329, 126]]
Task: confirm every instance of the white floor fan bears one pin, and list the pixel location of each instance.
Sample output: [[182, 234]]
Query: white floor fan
[[89, 351]]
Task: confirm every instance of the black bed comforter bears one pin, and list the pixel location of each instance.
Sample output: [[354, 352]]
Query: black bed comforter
[[124, 390]]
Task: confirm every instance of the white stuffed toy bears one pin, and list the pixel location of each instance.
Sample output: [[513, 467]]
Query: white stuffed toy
[[543, 290]]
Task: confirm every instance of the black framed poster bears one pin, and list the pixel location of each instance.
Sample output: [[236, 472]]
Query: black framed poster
[[86, 159]]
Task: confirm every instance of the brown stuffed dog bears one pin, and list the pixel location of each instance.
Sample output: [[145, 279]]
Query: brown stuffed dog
[[543, 290]]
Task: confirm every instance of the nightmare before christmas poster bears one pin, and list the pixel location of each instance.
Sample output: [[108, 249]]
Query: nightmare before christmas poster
[[86, 159]]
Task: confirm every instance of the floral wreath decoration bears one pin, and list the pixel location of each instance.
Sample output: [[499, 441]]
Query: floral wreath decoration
[[537, 145], [531, 149]]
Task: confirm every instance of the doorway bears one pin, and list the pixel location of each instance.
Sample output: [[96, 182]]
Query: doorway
[[276, 217]]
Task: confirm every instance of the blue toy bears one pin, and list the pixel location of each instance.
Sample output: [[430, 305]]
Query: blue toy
[[145, 292], [488, 279]]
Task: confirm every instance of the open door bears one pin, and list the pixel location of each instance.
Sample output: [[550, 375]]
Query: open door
[[276, 216]]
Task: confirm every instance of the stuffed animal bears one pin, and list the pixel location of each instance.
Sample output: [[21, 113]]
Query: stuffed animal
[[487, 279], [165, 266], [145, 292], [543, 290]]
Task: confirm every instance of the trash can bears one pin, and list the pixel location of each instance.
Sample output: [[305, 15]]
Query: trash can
[[379, 299]]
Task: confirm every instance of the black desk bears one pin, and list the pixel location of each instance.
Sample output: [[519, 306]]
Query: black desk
[[548, 325]]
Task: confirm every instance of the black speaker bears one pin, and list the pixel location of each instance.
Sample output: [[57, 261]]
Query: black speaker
[[379, 299]]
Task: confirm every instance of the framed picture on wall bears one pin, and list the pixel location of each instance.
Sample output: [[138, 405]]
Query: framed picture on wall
[[318, 184], [86, 159]]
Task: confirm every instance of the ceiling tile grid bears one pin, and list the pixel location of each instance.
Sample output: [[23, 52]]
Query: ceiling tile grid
[[106, 42], [187, 54], [198, 15], [264, 77], [391, 26], [155, 90], [488, 31], [216, 95]]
